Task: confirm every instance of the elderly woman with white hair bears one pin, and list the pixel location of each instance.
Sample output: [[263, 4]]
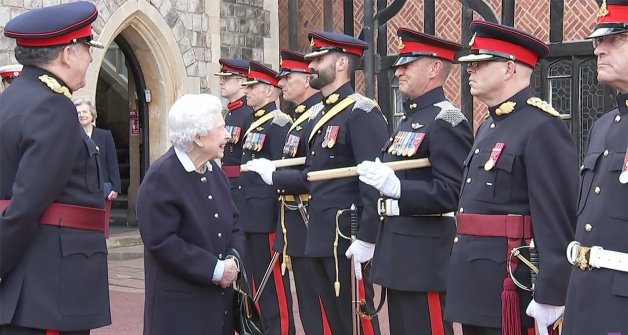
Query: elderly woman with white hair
[[189, 226]]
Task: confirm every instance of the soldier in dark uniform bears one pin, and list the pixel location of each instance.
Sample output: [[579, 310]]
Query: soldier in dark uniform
[[349, 130], [53, 256], [264, 139], [519, 177], [8, 73], [597, 298], [417, 210], [292, 228], [238, 119]]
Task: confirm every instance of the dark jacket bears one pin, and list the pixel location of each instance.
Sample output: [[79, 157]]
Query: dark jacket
[[238, 119], [597, 300], [260, 208], [536, 174], [51, 277], [188, 222], [108, 157], [412, 249], [295, 146]]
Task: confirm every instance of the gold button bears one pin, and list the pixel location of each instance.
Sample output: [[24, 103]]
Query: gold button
[[461, 210], [239, 187], [313, 153], [220, 256], [588, 227], [216, 215], [278, 191], [309, 197], [318, 132], [456, 239], [210, 197], [617, 118], [219, 235], [203, 179], [597, 190], [477, 151], [605, 153], [468, 180], [492, 125]]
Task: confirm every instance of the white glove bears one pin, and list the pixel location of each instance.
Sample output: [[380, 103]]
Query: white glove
[[361, 252], [263, 167], [381, 177], [545, 315]]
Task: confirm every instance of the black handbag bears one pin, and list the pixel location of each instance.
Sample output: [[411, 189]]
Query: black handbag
[[245, 313]]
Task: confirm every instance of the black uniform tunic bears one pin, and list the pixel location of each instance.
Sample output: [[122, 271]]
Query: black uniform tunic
[[51, 277], [536, 175], [237, 120], [597, 300]]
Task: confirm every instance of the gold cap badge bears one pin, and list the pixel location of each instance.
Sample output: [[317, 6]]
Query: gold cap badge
[[400, 44], [603, 11], [472, 40]]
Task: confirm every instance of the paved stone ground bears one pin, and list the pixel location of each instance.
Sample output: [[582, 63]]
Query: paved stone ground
[[126, 288]]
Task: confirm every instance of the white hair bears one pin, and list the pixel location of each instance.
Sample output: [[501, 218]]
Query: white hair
[[192, 115]]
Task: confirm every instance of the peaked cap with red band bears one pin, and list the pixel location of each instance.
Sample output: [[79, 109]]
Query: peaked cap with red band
[[233, 67], [54, 26], [612, 18], [10, 71], [260, 73], [292, 61], [491, 40], [324, 42], [414, 45]]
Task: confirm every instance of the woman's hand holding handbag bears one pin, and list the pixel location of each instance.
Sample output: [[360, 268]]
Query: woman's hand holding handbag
[[246, 315]]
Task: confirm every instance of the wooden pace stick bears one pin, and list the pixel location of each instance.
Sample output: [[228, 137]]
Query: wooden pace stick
[[280, 163], [351, 171]]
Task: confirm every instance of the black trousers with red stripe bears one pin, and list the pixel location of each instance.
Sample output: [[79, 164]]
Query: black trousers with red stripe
[[412, 313], [14, 330], [339, 309], [275, 303], [311, 311]]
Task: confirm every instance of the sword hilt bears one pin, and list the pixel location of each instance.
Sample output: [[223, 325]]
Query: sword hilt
[[534, 259], [354, 222]]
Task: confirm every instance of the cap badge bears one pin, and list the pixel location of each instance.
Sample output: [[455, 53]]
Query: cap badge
[[260, 113], [332, 99], [280, 61], [312, 42], [505, 108], [472, 40], [300, 109], [400, 44], [54, 85], [603, 11]]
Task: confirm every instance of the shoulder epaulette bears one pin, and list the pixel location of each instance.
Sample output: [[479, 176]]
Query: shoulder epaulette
[[316, 109], [449, 113], [363, 103], [280, 118], [543, 105]]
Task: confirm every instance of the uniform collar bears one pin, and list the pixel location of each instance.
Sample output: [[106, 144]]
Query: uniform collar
[[236, 104], [435, 95], [622, 103], [311, 101], [512, 105], [187, 163], [267, 108], [338, 95]]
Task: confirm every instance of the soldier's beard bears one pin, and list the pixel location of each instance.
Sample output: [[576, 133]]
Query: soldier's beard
[[323, 78]]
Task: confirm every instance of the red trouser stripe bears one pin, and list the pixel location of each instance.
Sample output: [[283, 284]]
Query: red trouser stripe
[[436, 316], [326, 328], [51, 332], [281, 292], [367, 326], [531, 331], [253, 288]]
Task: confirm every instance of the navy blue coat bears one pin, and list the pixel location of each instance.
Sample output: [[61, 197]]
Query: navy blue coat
[[188, 222], [108, 157], [260, 200], [597, 300], [238, 119], [51, 278], [433, 190], [296, 230], [535, 175]]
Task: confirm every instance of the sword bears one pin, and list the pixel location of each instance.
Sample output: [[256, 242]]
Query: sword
[[303, 211], [355, 285], [269, 270]]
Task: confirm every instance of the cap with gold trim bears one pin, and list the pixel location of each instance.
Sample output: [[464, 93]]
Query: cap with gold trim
[[325, 42], [58, 25], [260, 73], [414, 45], [233, 67], [10, 71], [612, 18], [491, 40], [292, 61]]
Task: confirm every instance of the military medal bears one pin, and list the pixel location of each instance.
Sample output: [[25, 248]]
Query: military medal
[[260, 142], [623, 176], [327, 131], [407, 150], [495, 153], [416, 143], [331, 134], [402, 143], [247, 142], [291, 145], [392, 143]]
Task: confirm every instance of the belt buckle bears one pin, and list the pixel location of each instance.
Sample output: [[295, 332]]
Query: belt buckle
[[381, 207], [582, 260]]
